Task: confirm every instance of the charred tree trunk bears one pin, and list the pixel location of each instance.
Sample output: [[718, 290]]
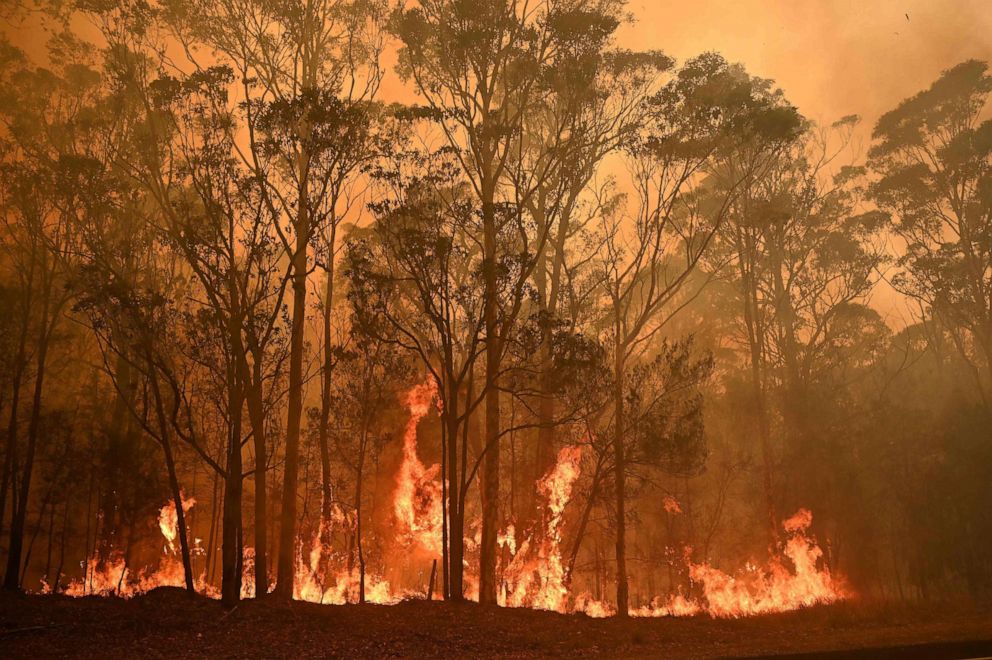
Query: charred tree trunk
[[456, 541], [15, 548], [325, 405], [231, 523], [363, 441], [620, 479], [170, 464], [10, 455], [256, 412], [287, 530], [583, 522], [490, 477]]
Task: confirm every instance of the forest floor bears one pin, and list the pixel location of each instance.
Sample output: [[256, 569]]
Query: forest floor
[[166, 623]]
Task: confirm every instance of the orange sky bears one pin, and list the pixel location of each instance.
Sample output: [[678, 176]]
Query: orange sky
[[831, 57]]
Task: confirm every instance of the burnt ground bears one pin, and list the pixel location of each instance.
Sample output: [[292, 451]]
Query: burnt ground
[[167, 623]]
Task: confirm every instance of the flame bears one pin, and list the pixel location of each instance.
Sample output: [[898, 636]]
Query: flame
[[113, 577], [754, 590], [534, 574], [536, 577], [168, 521], [417, 500]]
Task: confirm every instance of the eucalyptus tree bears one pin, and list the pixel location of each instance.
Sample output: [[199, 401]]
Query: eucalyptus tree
[[42, 167], [593, 107], [414, 283], [933, 157], [513, 86], [708, 112], [299, 69], [802, 254]]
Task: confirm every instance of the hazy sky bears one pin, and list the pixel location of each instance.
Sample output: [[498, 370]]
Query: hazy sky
[[831, 57]]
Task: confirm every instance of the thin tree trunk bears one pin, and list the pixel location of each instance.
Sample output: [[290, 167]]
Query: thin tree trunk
[[490, 477], [170, 464], [10, 455], [363, 441], [583, 523], [231, 523], [257, 414], [620, 479], [287, 532], [16, 541], [326, 490], [456, 539], [62, 544]]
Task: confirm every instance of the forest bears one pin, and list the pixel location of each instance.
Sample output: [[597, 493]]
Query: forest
[[560, 325]]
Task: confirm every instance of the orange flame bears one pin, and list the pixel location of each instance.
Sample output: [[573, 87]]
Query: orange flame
[[113, 577], [417, 501], [775, 588], [534, 575], [536, 578]]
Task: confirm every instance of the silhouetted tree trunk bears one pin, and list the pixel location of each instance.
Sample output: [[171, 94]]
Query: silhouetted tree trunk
[[170, 464], [325, 399], [287, 529], [50, 310], [256, 412]]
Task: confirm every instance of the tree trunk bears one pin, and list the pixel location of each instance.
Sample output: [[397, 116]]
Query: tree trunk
[[231, 523], [170, 464], [358, 511], [755, 335], [10, 455], [325, 409], [257, 414], [287, 531], [583, 523], [490, 477], [620, 466], [16, 541], [456, 538]]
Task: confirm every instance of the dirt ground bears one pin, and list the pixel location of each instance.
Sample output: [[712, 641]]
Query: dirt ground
[[166, 623]]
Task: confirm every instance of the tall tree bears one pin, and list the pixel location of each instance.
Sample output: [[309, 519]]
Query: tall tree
[[708, 111], [933, 156], [295, 64], [483, 68]]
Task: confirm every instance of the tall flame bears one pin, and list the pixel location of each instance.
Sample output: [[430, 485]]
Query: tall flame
[[536, 576], [417, 501]]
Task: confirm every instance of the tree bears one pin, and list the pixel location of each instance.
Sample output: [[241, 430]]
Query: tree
[[413, 283], [802, 257], [933, 157], [38, 175], [294, 64], [483, 68], [704, 114]]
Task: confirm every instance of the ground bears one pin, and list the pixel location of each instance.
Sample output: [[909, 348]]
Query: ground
[[169, 624]]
